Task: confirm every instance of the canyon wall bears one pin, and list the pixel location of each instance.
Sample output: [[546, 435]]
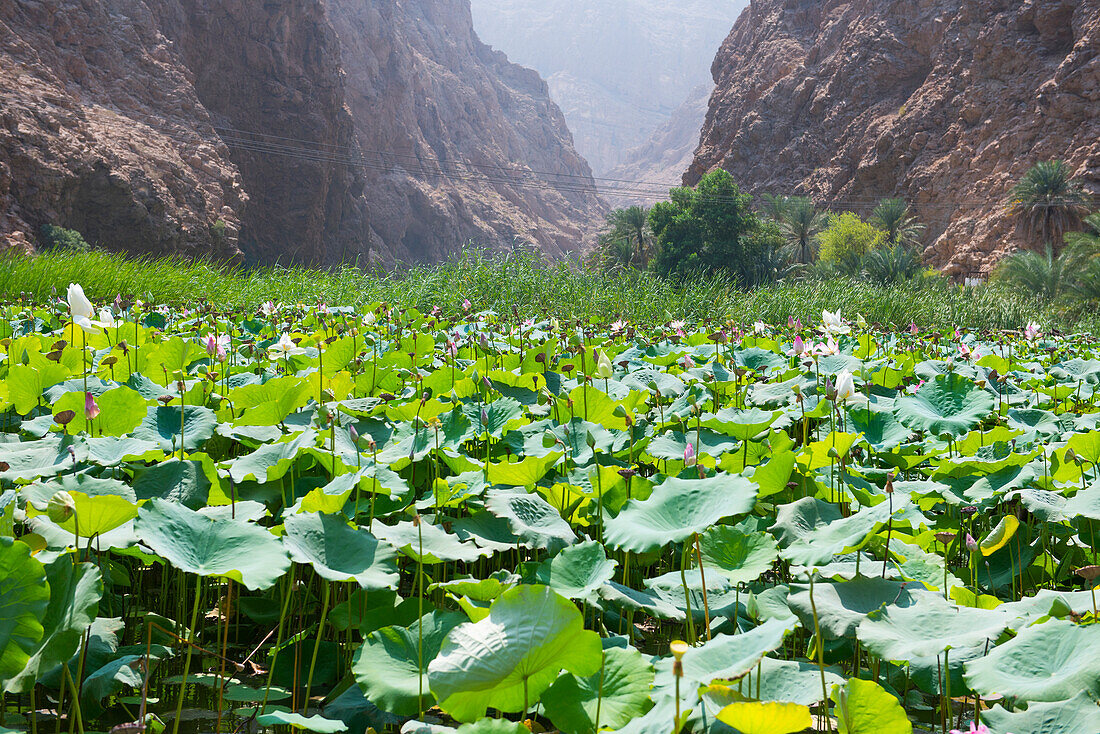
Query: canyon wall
[[944, 102], [304, 131]]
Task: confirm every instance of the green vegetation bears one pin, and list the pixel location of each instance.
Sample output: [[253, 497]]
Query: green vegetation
[[536, 289], [1048, 203], [59, 238], [847, 239], [328, 519], [712, 228]]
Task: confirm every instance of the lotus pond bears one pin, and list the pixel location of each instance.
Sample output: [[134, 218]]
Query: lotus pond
[[333, 520]]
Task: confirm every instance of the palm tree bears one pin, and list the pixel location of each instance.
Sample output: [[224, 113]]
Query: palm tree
[[800, 222], [775, 207], [1048, 202], [1045, 276], [627, 240], [893, 217], [1089, 238]]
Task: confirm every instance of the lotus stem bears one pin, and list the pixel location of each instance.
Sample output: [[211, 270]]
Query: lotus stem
[[190, 649], [326, 590], [820, 644]]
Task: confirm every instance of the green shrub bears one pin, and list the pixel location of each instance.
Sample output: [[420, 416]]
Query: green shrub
[[59, 238], [847, 239]]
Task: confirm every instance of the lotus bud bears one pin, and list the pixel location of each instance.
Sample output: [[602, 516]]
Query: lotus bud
[[971, 544], [91, 409], [590, 439], [60, 507], [689, 455]]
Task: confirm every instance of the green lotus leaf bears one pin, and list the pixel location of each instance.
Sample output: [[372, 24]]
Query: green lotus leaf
[[45, 457], [646, 602], [315, 723], [927, 627], [842, 606], [24, 596], [755, 717], [738, 556], [508, 659], [391, 665], [269, 404], [792, 681], [864, 707], [724, 657], [820, 542], [1042, 422], [744, 425], [946, 405], [525, 472], [121, 411], [1085, 503], [677, 509], [271, 461], [879, 428], [532, 518], [492, 726], [339, 552], [179, 481], [671, 445], [75, 590], [1052, 661], [161, 426], [204, 546], [578, 572], [616, 694], [429, 542], [1078, 715]]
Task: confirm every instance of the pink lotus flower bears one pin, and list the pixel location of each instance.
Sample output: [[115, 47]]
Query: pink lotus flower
[[971, 544], [798, 348], [827, 348], [1032, 332], [975, 728], [689, 455], [91, 408], [466, 304], [913, 328]]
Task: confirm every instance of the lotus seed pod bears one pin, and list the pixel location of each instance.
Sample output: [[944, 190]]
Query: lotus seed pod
[[60, 507]]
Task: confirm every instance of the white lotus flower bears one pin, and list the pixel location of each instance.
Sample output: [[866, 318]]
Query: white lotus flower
[[284, 348], [107, 319], [79, 306], [759, 327], [845, 387], [1032, 331], [833, 324]]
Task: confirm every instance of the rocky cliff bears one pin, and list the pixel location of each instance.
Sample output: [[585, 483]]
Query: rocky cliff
[[943, 102], [307, 131], [459, 143]]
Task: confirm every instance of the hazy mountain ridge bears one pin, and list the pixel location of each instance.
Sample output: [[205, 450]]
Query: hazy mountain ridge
[[618, 69]]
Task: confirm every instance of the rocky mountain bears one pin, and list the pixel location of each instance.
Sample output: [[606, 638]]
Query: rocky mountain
[[310, 131], [618, 68], [943, 102], [657, 165]]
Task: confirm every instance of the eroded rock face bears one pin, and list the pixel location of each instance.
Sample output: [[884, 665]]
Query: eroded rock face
[[944, 102], [460, 144], [308, 131], [101, 131]]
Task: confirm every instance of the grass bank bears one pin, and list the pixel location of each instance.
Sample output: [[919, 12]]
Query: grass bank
[[533, 287]]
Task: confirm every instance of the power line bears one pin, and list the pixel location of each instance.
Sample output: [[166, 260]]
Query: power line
[[496, 174]]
